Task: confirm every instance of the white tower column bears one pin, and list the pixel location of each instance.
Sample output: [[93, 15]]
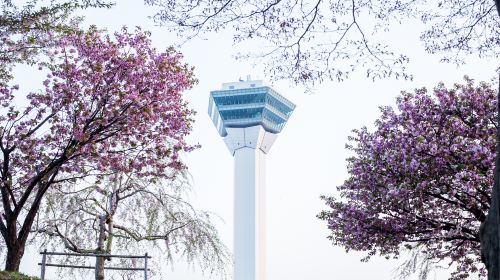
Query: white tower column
[[249, 147], [249, 214], [249, 115]]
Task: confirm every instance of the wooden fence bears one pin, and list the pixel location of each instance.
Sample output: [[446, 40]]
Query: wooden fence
[[44, 263]]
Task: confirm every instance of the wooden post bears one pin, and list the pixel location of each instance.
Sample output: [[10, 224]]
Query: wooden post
[[44, 260], [146, 266]]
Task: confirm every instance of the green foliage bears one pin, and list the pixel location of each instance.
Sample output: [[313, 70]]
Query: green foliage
[[8, 275]]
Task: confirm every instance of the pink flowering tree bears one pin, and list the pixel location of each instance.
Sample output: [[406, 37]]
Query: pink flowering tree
[[105, 99], [421, 180]]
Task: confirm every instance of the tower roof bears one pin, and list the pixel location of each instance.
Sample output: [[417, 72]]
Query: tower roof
[[246, 104]]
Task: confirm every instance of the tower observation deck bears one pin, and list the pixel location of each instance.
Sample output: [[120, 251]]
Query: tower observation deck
[[249, 116]]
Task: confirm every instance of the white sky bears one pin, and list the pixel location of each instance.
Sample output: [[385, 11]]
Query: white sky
[[307, 160]]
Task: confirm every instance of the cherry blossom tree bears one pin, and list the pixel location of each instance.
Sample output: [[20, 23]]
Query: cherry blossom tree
[[422, 179], [104, 98], [123, 213]]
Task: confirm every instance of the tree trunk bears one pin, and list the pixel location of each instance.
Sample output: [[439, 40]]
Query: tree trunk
[[15, 240], [99, 268], [489, 233], [497, 3], [14, 256], [15, 245], [99, 261]]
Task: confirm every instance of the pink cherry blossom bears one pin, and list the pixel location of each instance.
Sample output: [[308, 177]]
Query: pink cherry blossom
[[108, 103], [422, 179]]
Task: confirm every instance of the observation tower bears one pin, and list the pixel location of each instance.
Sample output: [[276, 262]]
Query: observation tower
[[249, 115]]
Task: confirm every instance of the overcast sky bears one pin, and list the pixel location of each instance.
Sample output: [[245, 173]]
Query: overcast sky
[[307, 160]]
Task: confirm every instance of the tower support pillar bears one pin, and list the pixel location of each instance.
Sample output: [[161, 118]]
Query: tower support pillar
[[249, 214]]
